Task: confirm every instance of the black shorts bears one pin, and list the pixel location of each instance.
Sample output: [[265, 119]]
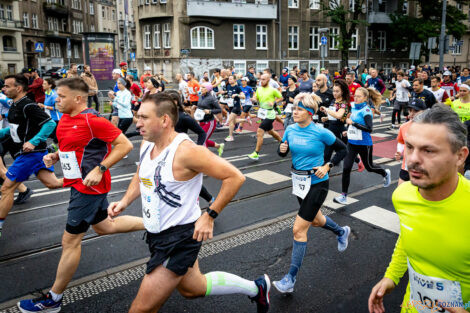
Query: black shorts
[[247, 108], [404, 175], [8, 145], [174, 248], [266, 124], [85, 210], [236, 110], [311, 204]]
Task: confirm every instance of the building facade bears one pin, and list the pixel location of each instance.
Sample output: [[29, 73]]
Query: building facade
[[126, 33], [11, 47]]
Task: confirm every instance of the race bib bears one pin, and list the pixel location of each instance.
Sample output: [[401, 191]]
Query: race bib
[[69, 163], [242, 101], [289, 108], [14, 133], [262, 113], [426, 293], [150, 211], [354, 133], [332, 108], [199, 114], [301, 185], [230, 102]]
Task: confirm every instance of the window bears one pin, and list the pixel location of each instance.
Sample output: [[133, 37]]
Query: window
[[64, 25], [166, 36], [352, 5], [156, 36], [404, 66], [291, 64], [147, 2], [261, 1], [162, 1], [293, 37], [382, 40], [113, 15], [261, 37], [9, 43], [9, 12], [370, 39], [334, 4], [25, 20], [202, 38], [56, 24], [55, 50], [76, 4], [261, 65], [103, 13], [457, 49], [334, 32], [50, 24], [2, 12], [238, 36], [459, 6], [92, 28], [120, 16], [354, 40], [383, 6], [387, 67], [316, 65], [293, 4], [92, 9], [314, 38], [240, 66], [34, 20], [154, 1], [76, 55], [405, 7], [147, 37]]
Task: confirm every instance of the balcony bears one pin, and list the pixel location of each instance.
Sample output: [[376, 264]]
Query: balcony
[[10, 24], [228, 9], [55, 9], [379, 18], [132, 44], [130, 25]]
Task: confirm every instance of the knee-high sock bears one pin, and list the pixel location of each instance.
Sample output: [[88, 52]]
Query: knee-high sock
[[223, 283], [298, 253], [331, 225]]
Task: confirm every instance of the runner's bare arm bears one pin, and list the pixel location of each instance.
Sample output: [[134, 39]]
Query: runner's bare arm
[[133, 191]]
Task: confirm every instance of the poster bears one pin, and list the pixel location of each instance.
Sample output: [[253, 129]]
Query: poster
[[101, 59]]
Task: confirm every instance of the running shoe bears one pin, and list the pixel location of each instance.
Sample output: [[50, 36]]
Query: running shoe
[[218, 125], [258, 122], [238, 131], [285, 285], [388, 178], [254, 155], [360, 166], [248, 119], [262, 298], [44, 303], [341, 199], [343, 239], [23, 196], [220, 149], [229, 138]]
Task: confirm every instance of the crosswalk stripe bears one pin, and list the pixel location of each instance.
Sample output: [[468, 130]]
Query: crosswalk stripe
[[380, 135], [333, 205], [379, 217], [267, 177]]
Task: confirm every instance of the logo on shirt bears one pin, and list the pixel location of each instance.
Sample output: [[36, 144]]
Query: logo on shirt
[[146, 182], [74, 127]]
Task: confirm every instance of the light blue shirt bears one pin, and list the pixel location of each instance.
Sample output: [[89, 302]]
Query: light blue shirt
[[122, 102], [358, 113]]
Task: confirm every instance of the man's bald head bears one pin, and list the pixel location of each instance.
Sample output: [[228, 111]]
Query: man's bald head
[[265, 80], [321, 80]]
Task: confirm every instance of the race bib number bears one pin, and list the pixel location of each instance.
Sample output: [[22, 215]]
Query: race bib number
[[301, 185], [427, 293], [230, 102], [331, 118], [289, 108], [262, 113], [354, 133], [14, 133], [69, 163], [150, 211], [199, 114]]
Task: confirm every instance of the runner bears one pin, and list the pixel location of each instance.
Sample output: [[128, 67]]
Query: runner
[[49, 105], [423, 94], [375, 82], [449, 86], [193, 89], [170, 176], [246, 104], [266, 96], [461, 106], [352, 84], [122, 102], [439, 93], [305, 83], [360, 141], [310, 180], [234, 96], [401, 98], [289, 95], [29, 126], [416, 106], [437, 195], [326, 95], [85, 161]]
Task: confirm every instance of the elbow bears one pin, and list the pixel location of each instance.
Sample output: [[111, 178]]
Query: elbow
[[128, 146]]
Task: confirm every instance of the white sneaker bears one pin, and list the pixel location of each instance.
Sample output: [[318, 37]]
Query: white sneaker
[[343, 240], [388, 178], [341, 199]]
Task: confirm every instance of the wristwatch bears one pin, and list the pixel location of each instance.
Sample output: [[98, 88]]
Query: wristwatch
[[330, 165], [102, 168], [212, 213]]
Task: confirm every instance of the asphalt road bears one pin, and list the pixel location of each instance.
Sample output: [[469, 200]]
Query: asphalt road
[[253, 236]]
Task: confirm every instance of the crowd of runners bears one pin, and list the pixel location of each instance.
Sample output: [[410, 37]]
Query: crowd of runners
[[320, 120]]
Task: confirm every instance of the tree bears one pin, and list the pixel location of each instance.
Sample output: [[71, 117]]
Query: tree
[[347, 17]]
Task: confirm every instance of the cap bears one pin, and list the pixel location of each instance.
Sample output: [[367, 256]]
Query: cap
[[122, 64], [447, 73], [208, 86], [412, 67], [417, 104], [26, 70], [286, 69], [147, 68], [117, 71], [246, 79]]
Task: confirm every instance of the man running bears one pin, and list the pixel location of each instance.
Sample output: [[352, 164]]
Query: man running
[[168, 180], [375, 82], [434, 216], [439, 93], [266, 96], [352, 85], [85, 154], [401, 97], [325, 94], [421, 93], [449, 86]]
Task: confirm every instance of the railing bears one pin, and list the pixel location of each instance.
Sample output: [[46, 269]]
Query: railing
[[11, 24], [56, 8], [249, 9]]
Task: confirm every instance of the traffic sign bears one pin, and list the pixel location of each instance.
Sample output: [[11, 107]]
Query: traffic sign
[[452, 48], [185, 51], [415, 50], [460, 43], [324, 40], [39, 47]]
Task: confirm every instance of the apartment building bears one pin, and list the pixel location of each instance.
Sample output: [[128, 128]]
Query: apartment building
[[11, 48]]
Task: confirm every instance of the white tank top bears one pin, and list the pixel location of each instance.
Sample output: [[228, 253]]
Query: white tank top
[[166, 202]]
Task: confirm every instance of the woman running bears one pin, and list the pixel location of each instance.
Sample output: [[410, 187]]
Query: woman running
[[122, 102], [289, 95], [307, 141], [234, 96], [360, 140]]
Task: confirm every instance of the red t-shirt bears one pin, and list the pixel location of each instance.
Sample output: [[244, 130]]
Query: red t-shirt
[[90, 136], [352, 90]]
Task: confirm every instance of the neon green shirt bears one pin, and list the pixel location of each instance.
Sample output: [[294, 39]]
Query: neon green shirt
[[462, 109], [266, 95], [434, 236]]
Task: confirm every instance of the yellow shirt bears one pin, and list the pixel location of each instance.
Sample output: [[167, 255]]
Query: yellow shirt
[[462, 109]]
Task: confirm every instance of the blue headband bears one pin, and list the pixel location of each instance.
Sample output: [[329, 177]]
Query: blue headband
[[301, 105]]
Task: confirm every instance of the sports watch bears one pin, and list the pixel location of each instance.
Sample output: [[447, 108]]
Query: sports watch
[[212, 213], [102, 168]]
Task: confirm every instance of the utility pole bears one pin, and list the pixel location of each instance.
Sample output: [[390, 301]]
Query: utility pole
[[443, 35], [126, 34], [366, 43]]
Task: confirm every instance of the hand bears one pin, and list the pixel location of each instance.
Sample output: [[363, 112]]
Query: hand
[[93, 178], [207, 111], [283, 147], [324, 119], [203, 228], [321, 171], [345, 134], [42, 106], [398, 156], [323, 109], [233, 96], [383, 287], [349, 121], [28, 146], [115, 208], [50, 159]]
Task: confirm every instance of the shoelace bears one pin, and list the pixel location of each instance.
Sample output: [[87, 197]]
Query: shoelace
[[42, 296]]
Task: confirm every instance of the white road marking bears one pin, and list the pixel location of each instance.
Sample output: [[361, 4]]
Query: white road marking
[[333, 205], [379, 217], [267, 177]]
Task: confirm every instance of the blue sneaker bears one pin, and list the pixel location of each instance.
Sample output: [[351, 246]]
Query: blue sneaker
[[44, 303], [262, 298], [388, 178], [341, 199], [285, 285], [343, 239]]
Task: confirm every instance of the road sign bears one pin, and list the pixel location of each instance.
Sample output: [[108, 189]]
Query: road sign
[[324, 40], [460, 43], [452, 48], [185, 51], [415, 50], [132, 56], [432, 42], [39, 47]]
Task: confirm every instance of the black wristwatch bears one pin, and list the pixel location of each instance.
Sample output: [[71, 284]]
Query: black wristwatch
[[102, 168], [212, 213], [330, 165]]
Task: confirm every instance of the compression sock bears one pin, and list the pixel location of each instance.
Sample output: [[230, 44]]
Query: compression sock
[[56, 296], [2, 220], [223, 283], [298, 252], [331, 225]]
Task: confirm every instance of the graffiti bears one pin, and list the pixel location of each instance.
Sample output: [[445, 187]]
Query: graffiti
[[199, 66]]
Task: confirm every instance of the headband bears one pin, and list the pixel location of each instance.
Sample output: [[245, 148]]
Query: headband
[[301, 105], [465, 86]]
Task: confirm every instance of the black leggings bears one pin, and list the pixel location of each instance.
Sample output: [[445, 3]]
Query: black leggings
[[124, 124], [366, 155]]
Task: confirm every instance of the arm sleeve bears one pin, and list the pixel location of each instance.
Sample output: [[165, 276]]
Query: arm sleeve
[[340, 148], [215, 107], [398, 265], [196, 128], [367, 127], [46, 129]]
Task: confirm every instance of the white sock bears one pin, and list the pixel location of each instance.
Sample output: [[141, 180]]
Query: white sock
[[223, 283], [56, 297]]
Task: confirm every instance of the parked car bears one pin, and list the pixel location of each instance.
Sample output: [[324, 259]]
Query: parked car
[[53, 73]]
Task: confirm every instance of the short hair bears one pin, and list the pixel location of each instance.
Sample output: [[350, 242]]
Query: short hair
[[465, 68], [74, 83], [20, 80], [130, 77], [351, 74], [72, 65], [442, 114], [217, 70], [294, 79], [311, 101], [268, 70], [419, 80], [51, 82], [401, 73], [436, 78], [175, 95], [192, 74], [164, 104]]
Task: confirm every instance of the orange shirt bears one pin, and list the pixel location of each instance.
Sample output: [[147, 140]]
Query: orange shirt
[[193, 88], [401, 139]]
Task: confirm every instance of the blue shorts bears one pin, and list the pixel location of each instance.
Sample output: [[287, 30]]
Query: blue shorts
[[27, 164]]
